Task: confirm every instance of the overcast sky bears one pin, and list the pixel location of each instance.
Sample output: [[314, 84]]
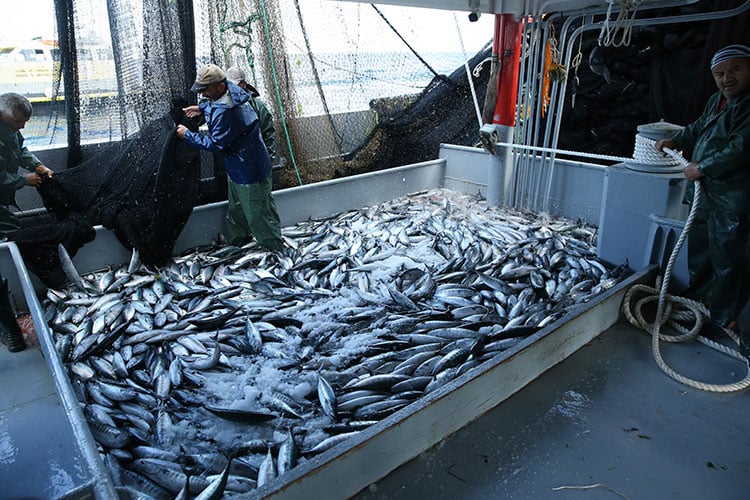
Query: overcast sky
[[329, 23], [27, 19]]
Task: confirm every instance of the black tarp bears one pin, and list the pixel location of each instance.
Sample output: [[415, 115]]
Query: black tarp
[[142, 188]]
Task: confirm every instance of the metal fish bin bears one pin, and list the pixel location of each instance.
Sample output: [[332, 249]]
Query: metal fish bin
[[348, 465]]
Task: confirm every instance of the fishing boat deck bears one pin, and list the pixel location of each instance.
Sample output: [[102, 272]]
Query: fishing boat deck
[[604, 423], [605, 415], [38, 457]]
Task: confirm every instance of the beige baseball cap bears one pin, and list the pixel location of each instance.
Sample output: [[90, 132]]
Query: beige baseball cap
[[235, 75], [208, 74]]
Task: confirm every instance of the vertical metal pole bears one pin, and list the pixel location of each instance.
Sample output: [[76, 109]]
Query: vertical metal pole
[[508, 28], [501, 175]]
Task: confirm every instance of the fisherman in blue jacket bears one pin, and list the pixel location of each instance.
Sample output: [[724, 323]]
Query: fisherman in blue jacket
[[234, 132]]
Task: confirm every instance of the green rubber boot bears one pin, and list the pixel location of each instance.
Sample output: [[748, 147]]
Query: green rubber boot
[[10, 332]]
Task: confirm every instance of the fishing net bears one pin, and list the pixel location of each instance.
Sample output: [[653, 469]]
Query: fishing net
[[142, 188], [353, 87], [120, 86], [39, 246], [117, 66]]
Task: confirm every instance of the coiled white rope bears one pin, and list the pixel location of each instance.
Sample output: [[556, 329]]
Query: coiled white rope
[[677, 310], [645, 153]]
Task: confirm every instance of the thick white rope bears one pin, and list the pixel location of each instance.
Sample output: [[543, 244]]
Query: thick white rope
[[580, 154], [645, 153], [678, 310]]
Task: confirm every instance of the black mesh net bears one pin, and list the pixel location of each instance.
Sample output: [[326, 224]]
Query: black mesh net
[[142, 188], [39, 246], [442, 113], [119, 78]]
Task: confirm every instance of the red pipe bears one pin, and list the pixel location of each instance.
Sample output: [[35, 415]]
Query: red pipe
[[507, 45]]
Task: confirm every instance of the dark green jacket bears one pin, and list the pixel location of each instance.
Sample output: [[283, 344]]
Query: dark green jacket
[[721, 146], [267, 129], [13, 154]]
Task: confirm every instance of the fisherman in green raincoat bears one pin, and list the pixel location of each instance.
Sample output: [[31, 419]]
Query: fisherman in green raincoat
[[719, 238], [15, 111], [267, 129]]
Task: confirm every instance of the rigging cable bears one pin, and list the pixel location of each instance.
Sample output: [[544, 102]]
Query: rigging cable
[[468, 72], [277, 89], [671, 309], [316, 76], [427, 65]]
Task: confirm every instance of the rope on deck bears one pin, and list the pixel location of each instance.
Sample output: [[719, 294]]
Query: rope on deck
[[677, 311]]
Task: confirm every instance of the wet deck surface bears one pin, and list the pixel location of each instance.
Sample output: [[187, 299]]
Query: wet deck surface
[[37, 455], [606, 418]]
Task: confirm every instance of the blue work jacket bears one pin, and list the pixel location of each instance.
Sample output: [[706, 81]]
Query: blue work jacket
[[234, 131]]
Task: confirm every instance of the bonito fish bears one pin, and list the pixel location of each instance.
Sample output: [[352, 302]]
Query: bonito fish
[[362, 314]]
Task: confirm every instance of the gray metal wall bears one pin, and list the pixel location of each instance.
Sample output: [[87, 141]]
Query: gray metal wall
[[640, 215], [576, 191]]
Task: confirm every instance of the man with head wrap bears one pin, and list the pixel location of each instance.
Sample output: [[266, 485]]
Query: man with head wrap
[[719, 238]]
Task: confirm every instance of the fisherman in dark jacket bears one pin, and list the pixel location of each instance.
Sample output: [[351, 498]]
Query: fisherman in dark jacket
[[15, 111], [719, 238], [234, 132]]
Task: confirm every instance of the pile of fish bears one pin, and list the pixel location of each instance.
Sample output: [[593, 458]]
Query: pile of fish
[[230, 365]]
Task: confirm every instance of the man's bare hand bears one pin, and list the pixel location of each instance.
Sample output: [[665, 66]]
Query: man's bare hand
[[33, 180], [43, 171], [692, 172], [181, 131], [192, 111], [665, 143]]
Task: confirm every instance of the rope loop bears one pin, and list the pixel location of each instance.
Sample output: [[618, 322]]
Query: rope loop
[[645, 153], [623, 24], [678, 312]]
